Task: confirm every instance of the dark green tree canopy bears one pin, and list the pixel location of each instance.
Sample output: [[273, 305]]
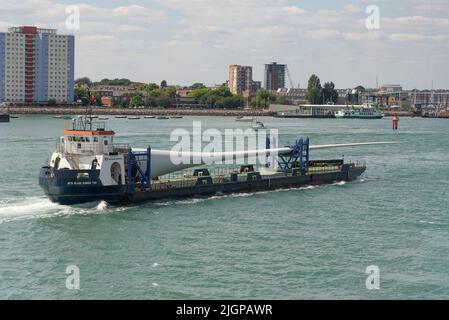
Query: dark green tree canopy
[[313, 94], [83, 81], [329, 93]]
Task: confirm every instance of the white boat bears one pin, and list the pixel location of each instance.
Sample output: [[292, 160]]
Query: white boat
[[244, 119], [362, 113], [258, 125]]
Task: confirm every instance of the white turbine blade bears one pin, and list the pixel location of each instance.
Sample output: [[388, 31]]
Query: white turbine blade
[[162, 164], [358, 144]]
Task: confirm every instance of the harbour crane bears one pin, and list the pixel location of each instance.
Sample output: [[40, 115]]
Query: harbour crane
[[290, 78]]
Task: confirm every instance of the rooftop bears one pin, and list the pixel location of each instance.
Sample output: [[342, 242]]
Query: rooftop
[[31, 30]]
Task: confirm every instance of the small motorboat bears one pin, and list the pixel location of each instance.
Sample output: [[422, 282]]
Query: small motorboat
[[133, 118], [162, 118], [244, 119], [103, 118], [149, 117], [257, 125], [176, 117], [121, 117]]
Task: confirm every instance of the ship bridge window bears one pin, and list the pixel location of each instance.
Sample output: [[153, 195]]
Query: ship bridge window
[[105, 142], [95, 139], [79, 145], [70, 138], [87, 139]]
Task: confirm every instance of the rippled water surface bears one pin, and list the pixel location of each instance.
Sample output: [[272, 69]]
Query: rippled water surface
[[304, 243]]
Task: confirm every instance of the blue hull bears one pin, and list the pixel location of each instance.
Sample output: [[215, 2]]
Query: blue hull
[[64, 187]]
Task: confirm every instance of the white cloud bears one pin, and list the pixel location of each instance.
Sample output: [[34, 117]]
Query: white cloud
[[201, 37]]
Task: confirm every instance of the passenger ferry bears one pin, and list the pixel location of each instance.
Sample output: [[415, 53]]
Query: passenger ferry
[[366, 112]]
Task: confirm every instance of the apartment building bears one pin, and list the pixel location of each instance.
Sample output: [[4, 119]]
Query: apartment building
[[36, 65]]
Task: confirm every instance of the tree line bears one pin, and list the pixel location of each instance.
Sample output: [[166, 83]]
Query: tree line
[[163, 95], [317, 94]]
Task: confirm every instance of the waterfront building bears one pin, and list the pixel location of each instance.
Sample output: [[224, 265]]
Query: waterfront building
[[390, 88], [36, 65], [117, 94], [294, 95], [240, 79], [421, 98], [274, 76]]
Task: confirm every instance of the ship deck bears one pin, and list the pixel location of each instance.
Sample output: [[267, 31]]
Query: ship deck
[[185, 179]]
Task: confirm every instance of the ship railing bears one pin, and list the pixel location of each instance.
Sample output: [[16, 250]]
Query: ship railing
[[185, 178], [60, 148], [360, 164], [188, 173], [172, 184], [90, 149], [324, 169], [121, 147]]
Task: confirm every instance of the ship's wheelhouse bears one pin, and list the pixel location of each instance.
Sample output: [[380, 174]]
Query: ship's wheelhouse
[[87, 142]]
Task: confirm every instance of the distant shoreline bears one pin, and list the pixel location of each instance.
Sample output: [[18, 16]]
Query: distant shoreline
[[156, 112], [134, 112]]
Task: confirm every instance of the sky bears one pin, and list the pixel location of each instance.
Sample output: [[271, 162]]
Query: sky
[[188, 41]]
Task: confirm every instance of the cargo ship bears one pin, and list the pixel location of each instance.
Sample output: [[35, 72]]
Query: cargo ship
[[87, 166]]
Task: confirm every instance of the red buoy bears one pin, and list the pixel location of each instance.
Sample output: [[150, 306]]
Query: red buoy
[[395, 122]]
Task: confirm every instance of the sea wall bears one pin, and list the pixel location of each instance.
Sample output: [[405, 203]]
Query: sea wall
[[121, 111]]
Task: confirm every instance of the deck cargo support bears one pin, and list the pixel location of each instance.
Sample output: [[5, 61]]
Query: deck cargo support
[[297, 158], [137, 172]]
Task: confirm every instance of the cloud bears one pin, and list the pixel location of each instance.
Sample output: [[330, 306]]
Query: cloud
[[195, 40]]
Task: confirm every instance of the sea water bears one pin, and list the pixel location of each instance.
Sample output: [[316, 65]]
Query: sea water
[[304, 243]]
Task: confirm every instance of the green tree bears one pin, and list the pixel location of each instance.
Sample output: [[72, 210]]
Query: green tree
[[198, 85], [80, 94], [163, 84], [222, 92], [169, 91], [264, 98], [83, 81], [313, 94], [136, 100], [220, 97], [199, 93], [116, 82], [283, 100], [329, 93], [124, 103], [98, 101], [164, 102], [150, 102]]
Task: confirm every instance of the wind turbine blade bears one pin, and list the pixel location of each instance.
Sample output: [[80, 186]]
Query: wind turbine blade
[[358, 144]]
